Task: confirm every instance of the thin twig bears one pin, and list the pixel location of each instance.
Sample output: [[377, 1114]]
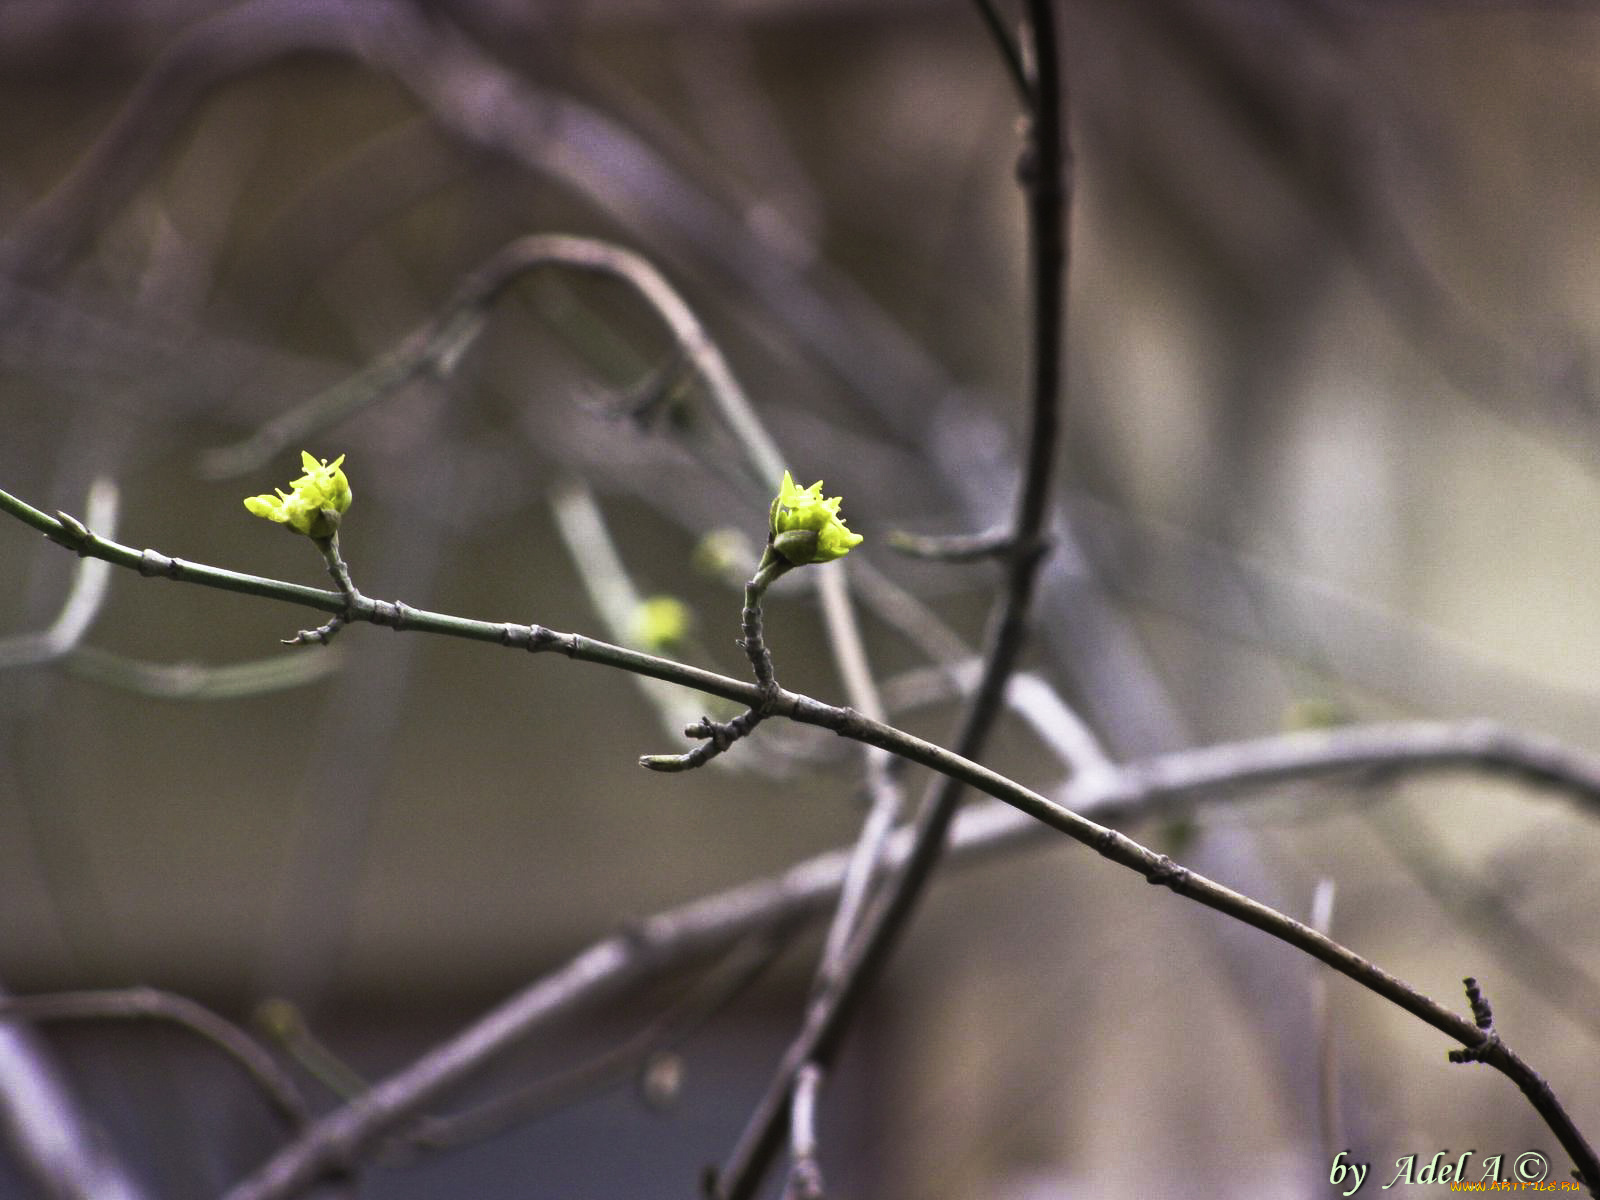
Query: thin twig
[[1043, 171], [82, 606], [616, 1064], [55, 1147], [1396, 748], [1010, 51], [956, 547], [150, 1004], [610, 588], [200, 681], [805, 1172]]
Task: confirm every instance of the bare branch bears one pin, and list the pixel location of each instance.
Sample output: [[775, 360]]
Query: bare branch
[[39, 1120], [150, 1004]]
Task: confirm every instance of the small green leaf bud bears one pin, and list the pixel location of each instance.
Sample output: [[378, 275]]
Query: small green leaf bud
[[805, 528], [314, 502]]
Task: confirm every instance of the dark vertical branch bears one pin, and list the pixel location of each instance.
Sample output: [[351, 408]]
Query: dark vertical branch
[[1043, 173]]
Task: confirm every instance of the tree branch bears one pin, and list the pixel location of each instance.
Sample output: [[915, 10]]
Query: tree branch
[[150, 1004], [339, 1137]]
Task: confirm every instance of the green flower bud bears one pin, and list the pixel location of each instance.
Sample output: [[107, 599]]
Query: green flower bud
[[805, 528], [661, 623], [314, 503]]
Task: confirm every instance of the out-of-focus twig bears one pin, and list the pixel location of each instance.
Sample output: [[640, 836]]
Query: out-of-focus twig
[[1332, 1128], [1030, 696], [805, 1172], [611, 590], [1007, 45], [151, 1004], [201, 681], [955, 547], [743, 965], [55, 1147]]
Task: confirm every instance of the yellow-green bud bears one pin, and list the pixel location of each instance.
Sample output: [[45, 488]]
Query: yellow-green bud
[[661, 622], [805, 528], [314, 502]]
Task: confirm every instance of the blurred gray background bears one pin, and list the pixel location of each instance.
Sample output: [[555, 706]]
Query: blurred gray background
[[1330, 451]]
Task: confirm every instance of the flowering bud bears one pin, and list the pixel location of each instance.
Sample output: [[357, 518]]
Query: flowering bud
[[314, 503], [805, 528]]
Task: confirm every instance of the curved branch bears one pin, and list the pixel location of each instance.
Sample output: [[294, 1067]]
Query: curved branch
[[151, 1004]]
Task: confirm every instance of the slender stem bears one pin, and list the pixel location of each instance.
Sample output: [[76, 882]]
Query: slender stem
[[1010, 52], [754, 642], [805, 1173], [1043, 171], [612, 591], [719, 735]]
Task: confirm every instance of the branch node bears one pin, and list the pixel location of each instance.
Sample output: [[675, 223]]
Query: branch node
[[1483, 1018], [1482, 1015], [850, 723], [153, 563], [320, 636], [717, 736], [1166, 873], [73, 534], [540, 638]]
